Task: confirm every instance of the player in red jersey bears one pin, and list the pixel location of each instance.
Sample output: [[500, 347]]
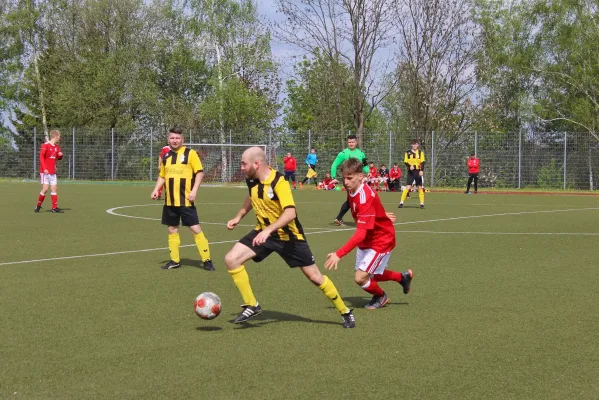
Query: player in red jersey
[[473, 170], [49, 153], [163, 152], [373, 177], [374, 237]]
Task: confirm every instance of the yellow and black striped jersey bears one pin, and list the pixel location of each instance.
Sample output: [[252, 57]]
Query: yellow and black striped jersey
[[269, 199], [179, 169], [415, 158]]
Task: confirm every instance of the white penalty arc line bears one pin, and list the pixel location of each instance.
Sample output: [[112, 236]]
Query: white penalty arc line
[[111, 211], [324, 231]]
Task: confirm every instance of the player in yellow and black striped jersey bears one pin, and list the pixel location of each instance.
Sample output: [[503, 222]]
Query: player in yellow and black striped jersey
[[414, 160], [181, 173], [277, 230]]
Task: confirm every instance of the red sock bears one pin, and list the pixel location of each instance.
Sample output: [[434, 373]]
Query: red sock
[[373, 288], [388, 275], [54, 197], [294, 184], [40, 199]]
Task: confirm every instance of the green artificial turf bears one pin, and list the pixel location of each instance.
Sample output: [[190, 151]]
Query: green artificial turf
[[504, 302]]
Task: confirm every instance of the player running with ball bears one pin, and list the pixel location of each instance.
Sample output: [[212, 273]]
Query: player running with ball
[[374, 237]]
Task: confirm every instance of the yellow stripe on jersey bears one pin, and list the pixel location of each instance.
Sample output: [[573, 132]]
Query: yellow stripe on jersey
[[269, 199], [179, 169], [414, 158]]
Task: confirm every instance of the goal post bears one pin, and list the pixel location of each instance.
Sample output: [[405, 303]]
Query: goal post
[[222, 161]]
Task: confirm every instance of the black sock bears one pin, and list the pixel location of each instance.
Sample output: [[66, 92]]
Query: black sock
[[343, 211]]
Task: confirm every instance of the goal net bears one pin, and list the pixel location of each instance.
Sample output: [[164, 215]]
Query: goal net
[[222, 162]]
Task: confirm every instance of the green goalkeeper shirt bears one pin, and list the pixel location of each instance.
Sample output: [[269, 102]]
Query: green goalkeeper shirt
[[346, 155]]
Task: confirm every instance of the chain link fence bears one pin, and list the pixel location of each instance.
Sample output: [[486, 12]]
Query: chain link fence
[[548, 160]]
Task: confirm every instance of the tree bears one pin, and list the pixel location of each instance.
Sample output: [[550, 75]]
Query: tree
[[435, 67], [349, 33]]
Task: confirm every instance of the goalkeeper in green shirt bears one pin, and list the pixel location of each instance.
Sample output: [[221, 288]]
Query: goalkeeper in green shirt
[[351, 151]]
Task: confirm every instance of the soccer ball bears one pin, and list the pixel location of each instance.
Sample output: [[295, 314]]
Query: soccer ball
[[207, 305]]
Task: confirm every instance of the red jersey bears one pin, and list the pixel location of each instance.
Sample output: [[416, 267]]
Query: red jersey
[[49, 153], [395, 173], [473, 165], [373, 173], [374, 229], [289, 163]]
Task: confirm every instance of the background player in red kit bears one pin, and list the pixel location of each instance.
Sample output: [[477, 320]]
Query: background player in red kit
[[49, 153], [473, 170], [374, 237], [163, 152], [290, 166]]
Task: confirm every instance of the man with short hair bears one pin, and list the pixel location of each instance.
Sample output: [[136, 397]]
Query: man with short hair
[[374, 237], [49, 153], [277, 230], [181, 174], [311, 161], [352, 151]]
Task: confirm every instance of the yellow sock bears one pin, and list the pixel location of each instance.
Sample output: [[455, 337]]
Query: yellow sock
[[202, 244], [404, 194], [329, 290], [421, 195], [242, 281], [173, 246]]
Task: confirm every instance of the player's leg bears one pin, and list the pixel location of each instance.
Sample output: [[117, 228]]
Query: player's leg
[[235, 259], [202, 245], [330, 291], [189, 218], [470, 178], [368, 262], [421, 194], [174, 241], [45, 186], [344, 209], [54, 194], [293, 180], [475, 183], [171, 218], [382, 274], [404, 194]]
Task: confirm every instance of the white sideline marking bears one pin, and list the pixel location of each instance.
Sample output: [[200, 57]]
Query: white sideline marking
[[340, 230]]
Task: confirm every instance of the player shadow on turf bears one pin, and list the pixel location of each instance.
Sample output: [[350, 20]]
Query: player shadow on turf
[[268, 317], [63, 209], [209, 328], [191, 263], [360, 302]]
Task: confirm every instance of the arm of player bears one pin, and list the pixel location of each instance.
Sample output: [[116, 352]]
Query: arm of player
[[245, 208], [340, 158], [159, 183], [356, 239], [193, 193], [43, 160], [286, 217]]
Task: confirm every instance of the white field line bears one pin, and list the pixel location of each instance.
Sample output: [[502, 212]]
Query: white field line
[[343, 230], [112, 211]]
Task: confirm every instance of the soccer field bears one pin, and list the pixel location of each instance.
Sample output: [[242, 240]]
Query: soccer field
[[504, 302]]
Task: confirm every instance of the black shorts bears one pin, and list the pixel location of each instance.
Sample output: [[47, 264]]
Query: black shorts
[[473, 174], [414, 176], [296, 253], [313, 166], [172, 215], [290, 175]]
